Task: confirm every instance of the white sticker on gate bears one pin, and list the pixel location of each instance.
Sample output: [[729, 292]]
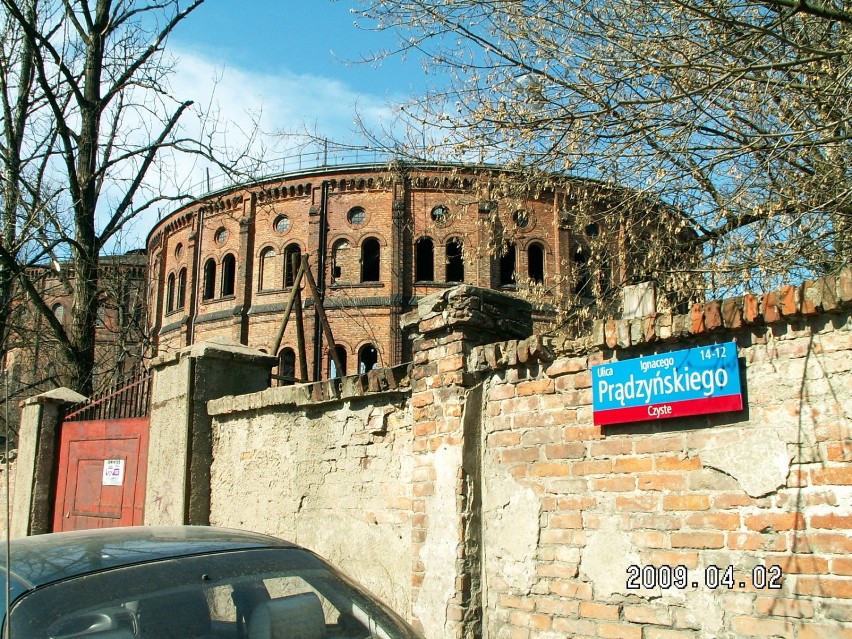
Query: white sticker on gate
[[113, 472]]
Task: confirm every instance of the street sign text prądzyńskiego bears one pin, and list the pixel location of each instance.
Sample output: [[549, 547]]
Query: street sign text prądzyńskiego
[[688, 382]]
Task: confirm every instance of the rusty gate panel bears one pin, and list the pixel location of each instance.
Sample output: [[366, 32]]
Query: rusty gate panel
[[103, 460], [102, 471]]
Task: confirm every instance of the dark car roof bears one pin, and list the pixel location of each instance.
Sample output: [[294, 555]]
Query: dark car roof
[[42, 559]]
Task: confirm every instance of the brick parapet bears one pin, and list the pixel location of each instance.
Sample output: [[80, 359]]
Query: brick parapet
[[487, 312], [746, 317], [789, 305], [449, 324]]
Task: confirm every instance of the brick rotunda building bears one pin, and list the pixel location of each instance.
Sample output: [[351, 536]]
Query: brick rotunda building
[[378, 237]]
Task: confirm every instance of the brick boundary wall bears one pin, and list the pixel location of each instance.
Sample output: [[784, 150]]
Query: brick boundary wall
[[525, 516], [768, 486]]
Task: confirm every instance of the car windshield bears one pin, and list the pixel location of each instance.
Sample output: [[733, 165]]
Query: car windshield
[[245, 594]]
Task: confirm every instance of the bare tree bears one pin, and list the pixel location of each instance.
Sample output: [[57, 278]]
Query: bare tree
[[88, 118], [733, 113]]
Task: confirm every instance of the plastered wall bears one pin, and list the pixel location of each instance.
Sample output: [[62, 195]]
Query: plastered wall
[[763, 495], [334, 477]]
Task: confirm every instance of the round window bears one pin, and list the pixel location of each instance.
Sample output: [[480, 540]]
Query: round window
[[592, 230], [356, 216], [221, 236], [441, 214], [521, 219], [282, 224], [179, 251]]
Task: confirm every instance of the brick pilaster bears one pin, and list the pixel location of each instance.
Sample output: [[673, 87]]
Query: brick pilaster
[[446, 405]]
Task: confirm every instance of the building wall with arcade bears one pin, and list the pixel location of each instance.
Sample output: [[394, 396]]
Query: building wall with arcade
[[378, 237]]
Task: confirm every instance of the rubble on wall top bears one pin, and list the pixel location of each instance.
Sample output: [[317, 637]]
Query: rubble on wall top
[[828, 294], [482, 308], [788, 305], [374, 382]]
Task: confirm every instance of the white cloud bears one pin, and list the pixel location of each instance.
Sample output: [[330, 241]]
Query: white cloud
[[239, 103]]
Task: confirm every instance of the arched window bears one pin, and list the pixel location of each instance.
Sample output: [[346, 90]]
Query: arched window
[[341, 355], [290, 252], [455, 261], [341, 262], [582, 278], [368, 358], [170, 293], [59, 312], [229, 274], [535, 263], [181, 288], [286, 366], [370, 260], [424, 261], [267, 269], [209, 279], [507, 266]]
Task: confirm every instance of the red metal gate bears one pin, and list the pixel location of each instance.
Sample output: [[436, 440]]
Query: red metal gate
[[103, 459]]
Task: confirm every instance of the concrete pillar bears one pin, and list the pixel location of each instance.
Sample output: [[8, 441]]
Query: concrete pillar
[[38, 448], [180, 446], [447, 412]]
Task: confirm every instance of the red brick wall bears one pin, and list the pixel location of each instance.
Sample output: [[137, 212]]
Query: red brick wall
[[658, 492], [377, 191]]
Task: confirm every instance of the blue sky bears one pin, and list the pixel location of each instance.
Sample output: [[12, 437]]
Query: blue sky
[[316, 37], [284, 67], [297, 62]]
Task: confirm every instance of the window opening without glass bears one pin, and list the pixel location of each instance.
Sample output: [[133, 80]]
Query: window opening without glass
[[229, 274], [368, 358], [370, 259], [507, 266], [209, 279], [535, 263], [290, 252], [455, 261], [341, 356], [424, 262]]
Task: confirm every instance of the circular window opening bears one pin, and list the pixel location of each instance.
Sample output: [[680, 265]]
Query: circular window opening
[[179, 251], [221, 236], [281, 224], [592, 230], [521, 219], [441, 214], [356, 216]]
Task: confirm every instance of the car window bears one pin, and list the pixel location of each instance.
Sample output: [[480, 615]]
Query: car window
[[248, 594]]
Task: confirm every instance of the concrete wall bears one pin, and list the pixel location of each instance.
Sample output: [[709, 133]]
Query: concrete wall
[[180, 436], [7, 501], [37, 461], [475, 494], [334, 476]]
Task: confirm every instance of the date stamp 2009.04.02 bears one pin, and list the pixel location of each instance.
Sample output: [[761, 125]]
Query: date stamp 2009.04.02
[[712, 577]]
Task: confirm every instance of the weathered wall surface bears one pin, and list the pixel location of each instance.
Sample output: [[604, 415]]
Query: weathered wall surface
[[6, 500], [569, 506], [180, 449], [482, 501], [334, 476]]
